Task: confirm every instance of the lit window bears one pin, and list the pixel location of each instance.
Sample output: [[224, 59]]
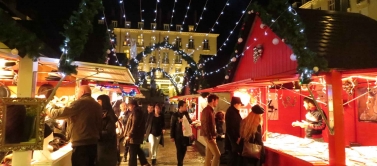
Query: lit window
[[178, 59], [153, 26], [152, 59], [178, 27], [153, 40], [191, 44], [332, 4], [166, 27], [127, 24], [191, 28], [178, 70], [178, 42], [140, 25], [127, 52], [165, 58], [140, 40], [205, 44], [127, 40]]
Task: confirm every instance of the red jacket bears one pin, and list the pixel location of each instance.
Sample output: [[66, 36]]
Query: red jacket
[[208, 125]]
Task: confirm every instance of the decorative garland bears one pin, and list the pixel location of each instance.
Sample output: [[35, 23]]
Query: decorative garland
[[76, 33], [258, 51], [132, 92], [14, 36], [165, 73], [198, 69], [290, 28]]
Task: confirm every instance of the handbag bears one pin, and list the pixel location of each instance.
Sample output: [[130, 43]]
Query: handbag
[[251, 150]]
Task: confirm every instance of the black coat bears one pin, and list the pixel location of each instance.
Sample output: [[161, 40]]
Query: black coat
[[148, 126], [233, 122], [176, 128]]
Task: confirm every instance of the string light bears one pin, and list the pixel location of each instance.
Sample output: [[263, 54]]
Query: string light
[[172, 14], [122, 9], [221, 13], [230, 34], [184, 19], [112, 40], [155, 13], [141, 16], [201, 15]]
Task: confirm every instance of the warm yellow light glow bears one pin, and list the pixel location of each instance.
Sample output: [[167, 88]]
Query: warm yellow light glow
[[243, 95], [127, 100]]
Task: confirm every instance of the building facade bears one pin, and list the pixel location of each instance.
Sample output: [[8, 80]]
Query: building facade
[[365, 7], [193, 43]]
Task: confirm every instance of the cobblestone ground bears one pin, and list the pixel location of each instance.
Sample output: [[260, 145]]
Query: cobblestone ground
[[167, 155]]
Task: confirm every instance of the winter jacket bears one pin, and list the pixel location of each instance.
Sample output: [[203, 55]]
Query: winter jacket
[[233, 122], [208, 125], [135, 128], [84, 120], [176, 128]]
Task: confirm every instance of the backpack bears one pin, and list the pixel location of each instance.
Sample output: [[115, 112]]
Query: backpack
[[120, 129]]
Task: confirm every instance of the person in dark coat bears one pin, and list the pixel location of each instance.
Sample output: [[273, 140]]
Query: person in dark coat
[[176, 133], [251, 131], [155, 131], [123, 117], [107, 144], [134, 133], [233, 121]]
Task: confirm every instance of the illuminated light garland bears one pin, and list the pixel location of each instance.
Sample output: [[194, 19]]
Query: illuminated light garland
[[141, 15], [231, 32], [201, 15], [172, 14], [221, 13], [132, 92], [155, 15], [76, 38], [184, 19], [112, 38], [122, 9]]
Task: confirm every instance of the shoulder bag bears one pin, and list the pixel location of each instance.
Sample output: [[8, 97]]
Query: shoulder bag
[[251, 150]]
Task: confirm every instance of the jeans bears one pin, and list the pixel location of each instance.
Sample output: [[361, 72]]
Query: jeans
[[212, 153], [181, 151], [84, 155], [154, 141], [135, 151]]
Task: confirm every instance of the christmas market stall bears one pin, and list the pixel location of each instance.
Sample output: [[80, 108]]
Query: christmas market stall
[[278, 62]]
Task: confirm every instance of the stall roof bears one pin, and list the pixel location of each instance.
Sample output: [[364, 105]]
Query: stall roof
[[93, 71], [347, 40]]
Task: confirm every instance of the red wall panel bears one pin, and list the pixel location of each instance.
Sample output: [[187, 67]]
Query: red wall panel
[[274, 60]]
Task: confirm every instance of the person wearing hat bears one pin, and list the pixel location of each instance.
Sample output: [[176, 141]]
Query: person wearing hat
[[251, 131], [232, 127], [314, 123]]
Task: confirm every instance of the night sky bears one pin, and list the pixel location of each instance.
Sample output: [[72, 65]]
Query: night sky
[[54, 13]]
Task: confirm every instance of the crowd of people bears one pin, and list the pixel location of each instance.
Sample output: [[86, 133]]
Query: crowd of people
[[97, 133]]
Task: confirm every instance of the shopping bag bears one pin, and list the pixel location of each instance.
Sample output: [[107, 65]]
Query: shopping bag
[[145, 149], [186, 127]]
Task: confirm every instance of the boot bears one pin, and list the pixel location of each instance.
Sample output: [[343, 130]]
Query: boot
[[154, 161]]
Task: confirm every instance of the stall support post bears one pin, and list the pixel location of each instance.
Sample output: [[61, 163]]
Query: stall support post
[[337, 155], [27, 79]]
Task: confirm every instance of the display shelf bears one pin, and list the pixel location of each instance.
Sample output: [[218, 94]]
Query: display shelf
[[313, 153], [61, 157]]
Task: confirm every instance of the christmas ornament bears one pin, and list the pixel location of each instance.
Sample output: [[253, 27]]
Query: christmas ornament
[[236, 51], [315, 69], [262, 26], [226, 77], [108, 51], [196, 78], [258, 51], [14, 51], [240, 40], [275, 41], [349, 86], [293, 57], [233, 59], [283, 40]]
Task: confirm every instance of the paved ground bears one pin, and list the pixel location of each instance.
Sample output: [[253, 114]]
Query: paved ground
[[167, 155]]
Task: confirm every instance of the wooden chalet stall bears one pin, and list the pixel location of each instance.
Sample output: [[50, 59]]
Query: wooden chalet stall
[[346, 93]]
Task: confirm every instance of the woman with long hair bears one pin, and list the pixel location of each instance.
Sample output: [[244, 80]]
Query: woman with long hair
[[251, 131], [155, 131], [107, 144]]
